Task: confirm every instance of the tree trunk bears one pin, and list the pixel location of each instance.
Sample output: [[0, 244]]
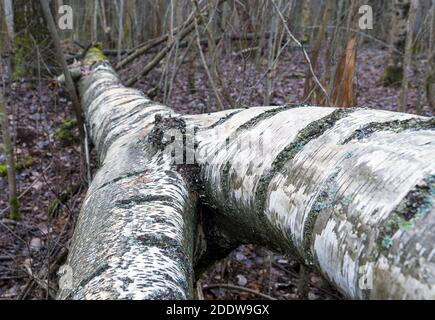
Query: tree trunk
[[350, 192], [10, 36], [305, 20], [14, 209], [94, 33], [31, 34], [120, 10], [7, 144], [403, 96], [394, 69]]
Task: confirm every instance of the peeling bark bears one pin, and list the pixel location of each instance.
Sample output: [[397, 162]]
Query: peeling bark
[[350, 192]]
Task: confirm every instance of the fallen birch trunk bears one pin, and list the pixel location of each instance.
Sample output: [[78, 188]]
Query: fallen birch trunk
[[350, 192]]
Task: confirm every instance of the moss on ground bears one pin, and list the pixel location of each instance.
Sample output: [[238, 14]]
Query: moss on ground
[[20, 165], [67, 134], [392, 76], [14, 213], [53, 206]]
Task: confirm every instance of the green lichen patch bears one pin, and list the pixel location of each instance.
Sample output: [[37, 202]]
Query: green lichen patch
[[346, 201], [394, 126], [94, 54], [326, 198], [415, 205], [24, 163], [348, 155]]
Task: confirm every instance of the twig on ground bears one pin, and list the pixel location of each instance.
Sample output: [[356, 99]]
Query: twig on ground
[[233, 287]]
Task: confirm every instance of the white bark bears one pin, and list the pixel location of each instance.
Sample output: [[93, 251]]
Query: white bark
[[350, 192], [9, 18], [334, 201], [133, 239]]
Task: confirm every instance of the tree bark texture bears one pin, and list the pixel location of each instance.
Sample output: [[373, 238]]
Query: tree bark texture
[[350, 192]]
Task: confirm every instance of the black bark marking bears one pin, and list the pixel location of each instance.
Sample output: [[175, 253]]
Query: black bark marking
[[394, 126], [222, 120], [310, 132], [113, 99], [418, 202], [137, 200], [263, 116], [326, 198], [98, 90], [126, 176]]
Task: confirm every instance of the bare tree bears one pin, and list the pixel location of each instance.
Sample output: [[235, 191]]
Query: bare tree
[[119, 4], [403, 97], [10, 35], [69, 82], [394, 69]]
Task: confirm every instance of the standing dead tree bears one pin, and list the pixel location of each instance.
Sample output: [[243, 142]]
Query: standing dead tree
[[348, 191]]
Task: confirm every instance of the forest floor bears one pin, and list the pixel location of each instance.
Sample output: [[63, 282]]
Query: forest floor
[[51, 190]]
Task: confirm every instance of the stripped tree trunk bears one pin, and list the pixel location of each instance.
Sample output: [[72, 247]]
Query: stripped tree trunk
[[350, 192]]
